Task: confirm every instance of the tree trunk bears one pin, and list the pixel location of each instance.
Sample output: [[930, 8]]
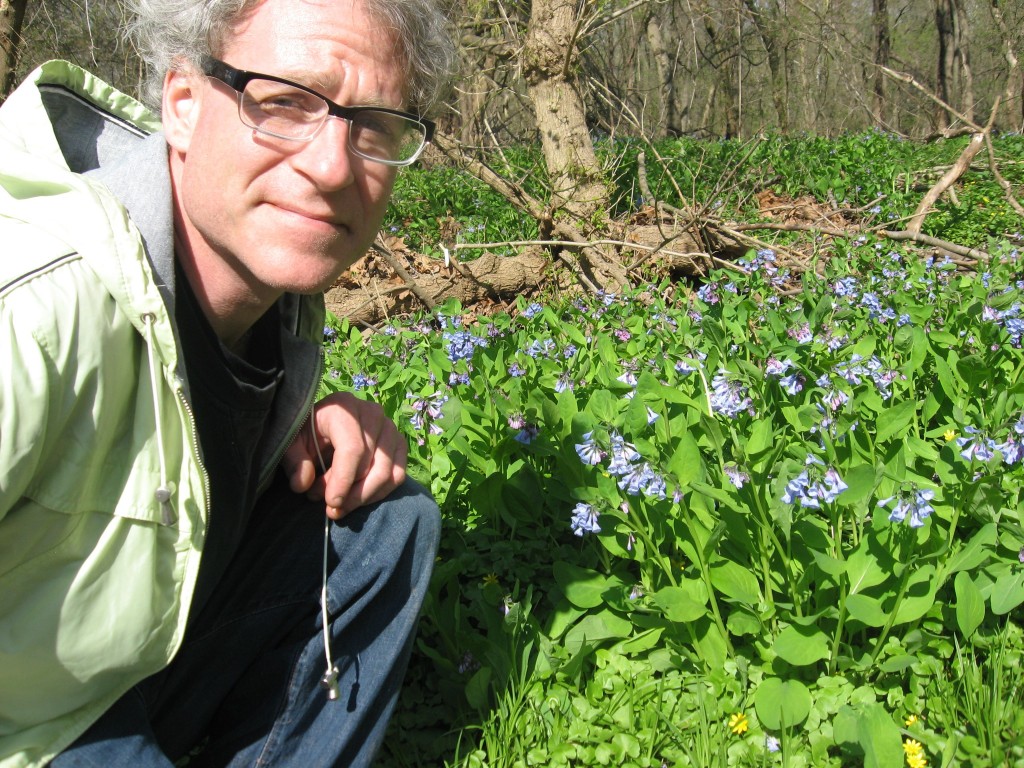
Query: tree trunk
[[880, 22], [550, 63], [1013, 93], [963, 58], [766, 21], [578, 188], [12, 15], [668, 116]]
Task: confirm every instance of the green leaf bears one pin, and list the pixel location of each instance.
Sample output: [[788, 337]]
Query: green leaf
[[946, 379], [478, 689], [861, 482], [582, 587], [894, 420], [975, 552], [970, 604], [736, 582], [863, 569], [685, 462], [866, 610], [596, 627], [782, 703], [1007, 593], [879, 737], [801, 645], [685, 603]]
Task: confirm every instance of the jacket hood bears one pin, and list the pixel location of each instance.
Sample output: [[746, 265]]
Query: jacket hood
[[59, 124]]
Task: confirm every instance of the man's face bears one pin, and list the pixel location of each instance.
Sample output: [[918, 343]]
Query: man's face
[[268, 215]]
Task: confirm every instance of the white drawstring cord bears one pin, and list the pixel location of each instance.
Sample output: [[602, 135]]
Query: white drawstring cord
[[329, 682]]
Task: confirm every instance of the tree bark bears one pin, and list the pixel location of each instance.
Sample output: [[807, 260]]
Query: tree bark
[[880, 22], [953, 70], [668, 117], [766, 21], [12, 16], [550, 64]]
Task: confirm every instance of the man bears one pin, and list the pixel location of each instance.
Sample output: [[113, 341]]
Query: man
[[168, 586]]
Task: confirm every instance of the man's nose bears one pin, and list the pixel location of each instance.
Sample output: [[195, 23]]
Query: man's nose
[[326, 159]]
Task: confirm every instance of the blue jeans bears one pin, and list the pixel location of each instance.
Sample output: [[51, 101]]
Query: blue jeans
[[245, 684]]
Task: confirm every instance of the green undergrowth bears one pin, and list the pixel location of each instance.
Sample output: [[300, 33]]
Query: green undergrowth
[[725, 524], [874, 177], [719, 527]]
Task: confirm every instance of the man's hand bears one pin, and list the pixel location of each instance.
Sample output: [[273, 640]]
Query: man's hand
[[362, 449]]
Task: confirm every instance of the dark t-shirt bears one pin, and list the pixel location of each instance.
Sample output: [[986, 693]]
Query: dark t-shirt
[[231, 398]]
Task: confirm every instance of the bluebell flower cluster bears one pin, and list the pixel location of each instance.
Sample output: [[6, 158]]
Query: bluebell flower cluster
[[541, 348], [876, 311], [913, 506], [802, 334], [764, 262], [978, 446], [425, 412], [635, 475], [857, 369], [729, 397], [814, 486], [736, 475], [791, 383], [708, 294], [533, 309], [462, 344], [584, 519], [329, 334], [362, 381], [1009, 320]]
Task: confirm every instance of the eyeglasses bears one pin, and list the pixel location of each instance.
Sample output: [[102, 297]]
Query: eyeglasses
[[277, 107]]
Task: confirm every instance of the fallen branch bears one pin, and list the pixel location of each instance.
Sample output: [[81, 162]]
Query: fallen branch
[[948, 179]]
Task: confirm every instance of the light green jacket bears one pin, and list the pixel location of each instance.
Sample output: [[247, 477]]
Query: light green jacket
[[103, 497]]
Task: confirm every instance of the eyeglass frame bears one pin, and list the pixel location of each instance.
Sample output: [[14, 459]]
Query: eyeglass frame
[[238, 79]]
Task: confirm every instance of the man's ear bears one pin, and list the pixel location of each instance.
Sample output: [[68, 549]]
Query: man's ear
[[180, 107]]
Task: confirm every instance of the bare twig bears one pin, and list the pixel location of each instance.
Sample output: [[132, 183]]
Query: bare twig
[[403, 273]]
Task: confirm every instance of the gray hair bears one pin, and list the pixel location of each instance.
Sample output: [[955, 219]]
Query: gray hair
[[178, 34]]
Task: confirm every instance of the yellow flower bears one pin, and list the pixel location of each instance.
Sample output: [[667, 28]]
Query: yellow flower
[[914, 753], [490, 578], [949, 434], [738, 723], [911, 719]]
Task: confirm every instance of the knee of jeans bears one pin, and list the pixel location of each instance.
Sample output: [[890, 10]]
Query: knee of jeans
[[416, 508]]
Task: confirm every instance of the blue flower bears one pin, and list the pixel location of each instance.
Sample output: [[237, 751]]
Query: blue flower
[[532, 310], [516, 370], [362, 381], [812, 486], [589, 451], [913, 506], [708, 294], [729, 397], [584, 519], [462, 344], [977, 446], [736, 476], [792, 384], [527, 434]]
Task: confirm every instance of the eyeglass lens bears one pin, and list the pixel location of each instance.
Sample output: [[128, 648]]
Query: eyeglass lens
[[280, 110]]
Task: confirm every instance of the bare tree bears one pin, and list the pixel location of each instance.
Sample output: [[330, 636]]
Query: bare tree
[[12, 16], [883, 41]]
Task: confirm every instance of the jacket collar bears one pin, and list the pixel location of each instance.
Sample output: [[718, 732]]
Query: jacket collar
[[141, 180]]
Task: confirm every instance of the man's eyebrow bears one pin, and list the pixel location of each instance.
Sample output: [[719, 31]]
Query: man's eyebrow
[[323, 84]]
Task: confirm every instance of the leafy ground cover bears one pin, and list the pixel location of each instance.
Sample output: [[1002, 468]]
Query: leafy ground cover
[[720, 524]]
